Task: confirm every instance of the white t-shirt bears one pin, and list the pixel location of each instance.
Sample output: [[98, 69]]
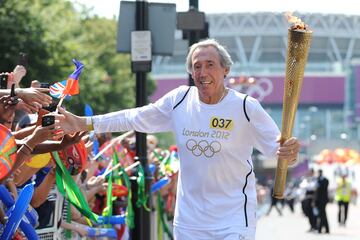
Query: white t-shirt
[[216, 184]]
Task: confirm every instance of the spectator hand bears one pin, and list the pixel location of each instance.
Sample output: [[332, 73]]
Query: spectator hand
[[34, 96], [70, 139], [35, 84], [95, 182], [35, 107], [41, 134], [18, 73], [81, 231], [7, 108], [88, 143]]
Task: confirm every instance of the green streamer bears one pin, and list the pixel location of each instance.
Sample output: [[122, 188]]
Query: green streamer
[[107, 211], [69, 189], [142, 196], [158, 156], [158, 218], [161, 216], [116, 171], [130, 214]]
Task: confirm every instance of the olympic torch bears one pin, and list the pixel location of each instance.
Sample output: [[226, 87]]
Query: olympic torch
[[299, 39]]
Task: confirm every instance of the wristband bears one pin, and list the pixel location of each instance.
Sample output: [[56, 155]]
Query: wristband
[[89, 124]]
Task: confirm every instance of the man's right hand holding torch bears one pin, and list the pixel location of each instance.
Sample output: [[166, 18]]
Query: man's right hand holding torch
[[289, 150]]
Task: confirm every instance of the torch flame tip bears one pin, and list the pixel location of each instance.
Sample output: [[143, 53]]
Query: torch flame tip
[[296, 23]]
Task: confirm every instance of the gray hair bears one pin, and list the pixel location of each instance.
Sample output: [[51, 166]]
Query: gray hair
[[225, 58]]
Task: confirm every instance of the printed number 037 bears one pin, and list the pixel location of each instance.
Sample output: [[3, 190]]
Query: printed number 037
[[221, 123]]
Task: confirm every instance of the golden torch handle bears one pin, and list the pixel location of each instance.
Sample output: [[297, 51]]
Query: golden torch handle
[[297, 52], [280, 176], [280, 179]]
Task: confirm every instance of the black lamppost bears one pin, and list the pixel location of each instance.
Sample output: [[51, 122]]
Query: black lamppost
[[140, 68]]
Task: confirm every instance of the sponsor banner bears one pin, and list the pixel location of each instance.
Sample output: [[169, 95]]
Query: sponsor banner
[[269, 90], [357, 92], [315, 90]]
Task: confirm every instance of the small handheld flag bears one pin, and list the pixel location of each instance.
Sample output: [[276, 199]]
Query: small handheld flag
[[72, 83], [57, 89]]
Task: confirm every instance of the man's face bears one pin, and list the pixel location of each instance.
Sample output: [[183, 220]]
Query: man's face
[[208, 74]]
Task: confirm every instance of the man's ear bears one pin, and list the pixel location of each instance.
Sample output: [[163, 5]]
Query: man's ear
[[227, 70]]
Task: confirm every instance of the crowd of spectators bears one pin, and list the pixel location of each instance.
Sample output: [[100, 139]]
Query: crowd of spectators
[[25, 126]]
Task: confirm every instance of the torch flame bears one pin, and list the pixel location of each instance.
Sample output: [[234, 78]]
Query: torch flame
[[296, 22]]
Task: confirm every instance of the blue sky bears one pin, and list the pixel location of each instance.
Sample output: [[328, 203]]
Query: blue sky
[[109, 8]]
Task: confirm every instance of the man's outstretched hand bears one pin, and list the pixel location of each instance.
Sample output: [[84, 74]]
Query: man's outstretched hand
[[70, 123]]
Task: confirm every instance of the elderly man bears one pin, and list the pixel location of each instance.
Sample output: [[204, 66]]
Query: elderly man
[[216, 129]]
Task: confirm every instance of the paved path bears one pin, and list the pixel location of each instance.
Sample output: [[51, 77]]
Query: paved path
[[294, 226]]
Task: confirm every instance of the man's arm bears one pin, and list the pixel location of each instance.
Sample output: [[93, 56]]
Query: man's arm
[[150, 118]]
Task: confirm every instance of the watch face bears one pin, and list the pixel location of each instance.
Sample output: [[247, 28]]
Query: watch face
[[74, 158]]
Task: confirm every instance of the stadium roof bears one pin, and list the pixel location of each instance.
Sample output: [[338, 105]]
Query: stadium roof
[[257, 42]]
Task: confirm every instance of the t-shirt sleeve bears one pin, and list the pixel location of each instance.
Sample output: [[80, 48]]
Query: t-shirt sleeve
[[154, 117], [264, 129]]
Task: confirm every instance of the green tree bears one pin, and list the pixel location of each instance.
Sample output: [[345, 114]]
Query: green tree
[[106, 71], [53, 32], [23, 32]]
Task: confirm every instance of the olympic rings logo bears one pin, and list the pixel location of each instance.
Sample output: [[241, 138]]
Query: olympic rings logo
[[261, 89], [203, 147]]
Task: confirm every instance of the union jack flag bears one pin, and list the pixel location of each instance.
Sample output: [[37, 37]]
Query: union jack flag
[[57, 89]]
